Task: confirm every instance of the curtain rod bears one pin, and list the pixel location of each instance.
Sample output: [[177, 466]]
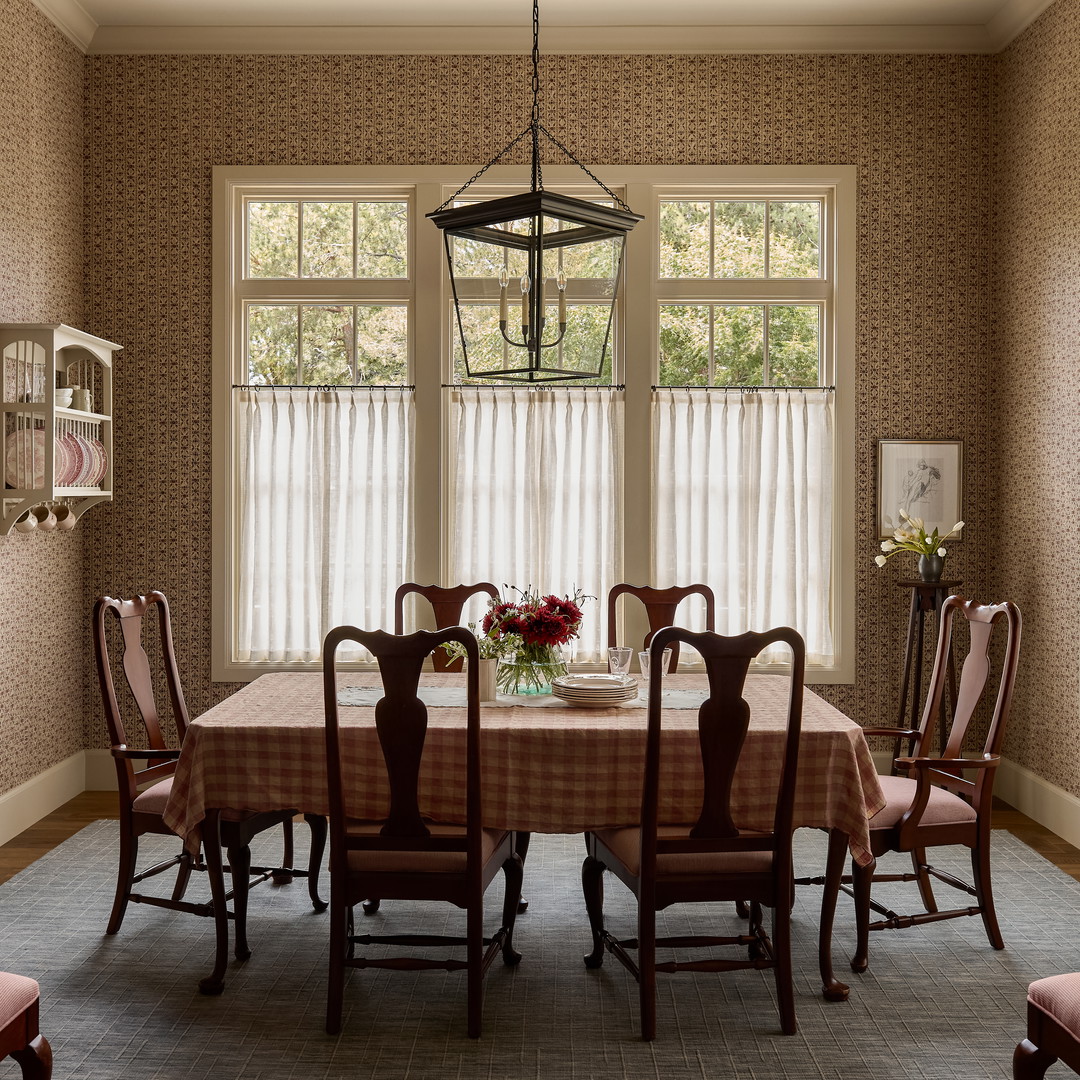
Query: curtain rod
[[322, 388], [748, 389], [529, 386]]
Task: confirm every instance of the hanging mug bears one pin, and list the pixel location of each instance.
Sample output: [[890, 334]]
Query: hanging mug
[[27, 523], [46, 519], [65, 517]]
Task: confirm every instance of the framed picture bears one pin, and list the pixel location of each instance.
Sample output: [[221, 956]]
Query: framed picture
[[922, 478]]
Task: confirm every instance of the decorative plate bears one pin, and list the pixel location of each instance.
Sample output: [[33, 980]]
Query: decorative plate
[[25, 458]]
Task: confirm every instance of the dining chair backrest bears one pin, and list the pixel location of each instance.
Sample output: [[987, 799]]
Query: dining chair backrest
[[660, 607], [723, 721], [447, 603], [976, 677], [137, 669], [401, 724]]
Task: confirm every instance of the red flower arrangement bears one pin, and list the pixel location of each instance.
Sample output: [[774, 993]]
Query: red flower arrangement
[[537, 620], [537, 624]]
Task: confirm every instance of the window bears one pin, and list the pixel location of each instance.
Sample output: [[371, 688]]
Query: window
[[352, 457]]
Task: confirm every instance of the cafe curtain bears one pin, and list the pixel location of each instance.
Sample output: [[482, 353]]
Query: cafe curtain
[[536, 486], [743, 489], [324, 515]]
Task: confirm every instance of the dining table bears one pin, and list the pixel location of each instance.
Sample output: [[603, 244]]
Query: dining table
[[547, 766]]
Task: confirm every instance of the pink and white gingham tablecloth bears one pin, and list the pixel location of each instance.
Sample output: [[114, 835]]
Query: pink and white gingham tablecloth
[[558, 770]]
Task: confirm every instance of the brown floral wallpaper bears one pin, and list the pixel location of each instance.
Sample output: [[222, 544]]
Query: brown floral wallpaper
[[931, 311], [1035, 389], [918, 128], [44, 670]]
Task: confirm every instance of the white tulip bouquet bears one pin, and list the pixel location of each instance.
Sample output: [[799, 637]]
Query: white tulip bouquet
[[912, 536]]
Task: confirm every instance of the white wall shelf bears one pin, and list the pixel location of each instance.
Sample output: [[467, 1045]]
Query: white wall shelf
[[56, 457]]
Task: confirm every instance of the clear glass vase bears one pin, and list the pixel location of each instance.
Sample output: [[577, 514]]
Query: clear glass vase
[[531, 670]]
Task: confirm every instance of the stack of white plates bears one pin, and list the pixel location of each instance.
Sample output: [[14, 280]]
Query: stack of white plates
[[594, 691]]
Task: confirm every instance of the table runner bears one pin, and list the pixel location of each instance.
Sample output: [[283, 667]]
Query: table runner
[[552, 769], [454, 697]]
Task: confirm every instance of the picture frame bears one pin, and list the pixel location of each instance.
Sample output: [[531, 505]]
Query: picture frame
[[924, 477]]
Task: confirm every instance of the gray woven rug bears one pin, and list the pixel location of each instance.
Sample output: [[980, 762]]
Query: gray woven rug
[[937, 1003]]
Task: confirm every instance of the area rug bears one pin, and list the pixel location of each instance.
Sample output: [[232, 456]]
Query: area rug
[[937, 1002]]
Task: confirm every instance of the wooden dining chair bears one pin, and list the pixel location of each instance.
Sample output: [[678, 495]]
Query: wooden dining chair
[[1053, 1027], [405, 856], [713, 858], [447, 603], [660, 606], [144, 791], [933, 803], [19, 1034]]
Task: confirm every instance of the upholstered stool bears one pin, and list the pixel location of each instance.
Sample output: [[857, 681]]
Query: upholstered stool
[[1053, 1030], [19, 1035]]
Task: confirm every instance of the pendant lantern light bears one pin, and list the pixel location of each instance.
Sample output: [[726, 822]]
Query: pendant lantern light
[[534, 275]]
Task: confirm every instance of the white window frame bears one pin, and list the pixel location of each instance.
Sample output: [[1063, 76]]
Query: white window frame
[[636, 352]]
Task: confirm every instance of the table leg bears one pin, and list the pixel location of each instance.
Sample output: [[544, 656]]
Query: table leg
[[831, 988], [521, 847], [214, 983]]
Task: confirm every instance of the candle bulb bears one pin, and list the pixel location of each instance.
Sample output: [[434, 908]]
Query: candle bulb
[[524, 301], [504, 280], [561, 282]]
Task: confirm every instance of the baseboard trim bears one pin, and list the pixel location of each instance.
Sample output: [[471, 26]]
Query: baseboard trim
[[28, 803], [1049, 805]]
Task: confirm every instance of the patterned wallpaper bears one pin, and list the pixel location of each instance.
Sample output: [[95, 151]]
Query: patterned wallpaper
[[949, 322], [918, 127], [1035, 499], [44, 660]]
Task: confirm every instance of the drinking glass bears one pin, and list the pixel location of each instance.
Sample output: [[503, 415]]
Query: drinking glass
[[643, 660], [618, 659]]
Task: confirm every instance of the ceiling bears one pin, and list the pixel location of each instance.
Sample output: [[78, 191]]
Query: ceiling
[[567, 26]]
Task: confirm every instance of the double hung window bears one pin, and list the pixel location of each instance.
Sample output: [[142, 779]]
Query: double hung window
[[352, 454]]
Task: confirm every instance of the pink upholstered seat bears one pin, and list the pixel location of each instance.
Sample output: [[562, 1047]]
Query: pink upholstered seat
[[945, 795], [19, 1035], [1053, 1006], [942, 808]]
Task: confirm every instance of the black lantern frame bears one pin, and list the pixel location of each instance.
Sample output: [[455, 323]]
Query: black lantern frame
[[534, 223]]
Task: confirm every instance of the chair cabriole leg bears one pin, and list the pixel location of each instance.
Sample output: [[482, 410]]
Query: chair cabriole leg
[[592, 886], [1030, 1062], [35, 1059]]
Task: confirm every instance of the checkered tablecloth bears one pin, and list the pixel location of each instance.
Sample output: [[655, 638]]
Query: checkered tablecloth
[[545, 770]]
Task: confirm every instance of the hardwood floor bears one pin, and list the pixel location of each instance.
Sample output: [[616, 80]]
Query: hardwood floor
[[30, 845]]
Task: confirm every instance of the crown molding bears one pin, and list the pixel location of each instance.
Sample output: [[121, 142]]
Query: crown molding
[[72, 19], [589, 40], [1013, 18], [78, 25]]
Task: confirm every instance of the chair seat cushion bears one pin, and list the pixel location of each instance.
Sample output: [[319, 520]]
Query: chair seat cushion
[[625, 845], [943, 807], [397, 861], [154, 798], [17, 994], [1059, 997]]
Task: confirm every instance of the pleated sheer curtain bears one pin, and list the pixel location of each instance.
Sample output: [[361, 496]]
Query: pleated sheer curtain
[[324, 515], [536, 493], [744, 502]]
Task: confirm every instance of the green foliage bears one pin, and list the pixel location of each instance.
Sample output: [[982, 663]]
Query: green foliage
[[725, 344], [334, 231]]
